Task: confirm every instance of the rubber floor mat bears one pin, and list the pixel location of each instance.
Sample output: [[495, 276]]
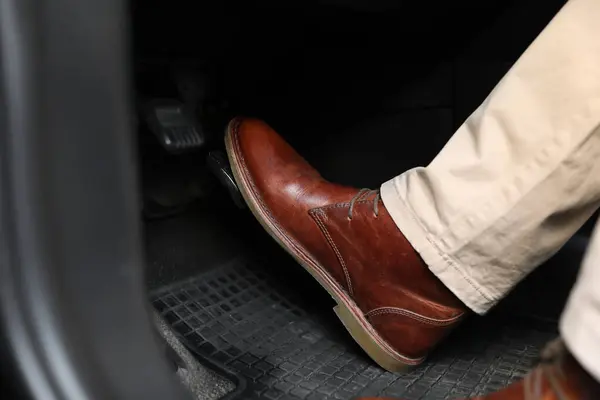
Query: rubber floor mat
[[281, 346]]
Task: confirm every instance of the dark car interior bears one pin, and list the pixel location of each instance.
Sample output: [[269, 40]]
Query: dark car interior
[[364, 91]]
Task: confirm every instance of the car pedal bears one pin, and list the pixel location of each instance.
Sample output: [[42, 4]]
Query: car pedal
[[219, 165], [174, 125]]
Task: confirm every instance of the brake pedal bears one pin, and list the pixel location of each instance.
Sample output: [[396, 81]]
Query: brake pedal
[[219, 166]]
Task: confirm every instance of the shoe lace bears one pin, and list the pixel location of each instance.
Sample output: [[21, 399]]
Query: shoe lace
[[552, 355], [364, 193]]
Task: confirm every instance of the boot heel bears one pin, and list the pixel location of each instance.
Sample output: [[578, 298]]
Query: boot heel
[[367, 343]]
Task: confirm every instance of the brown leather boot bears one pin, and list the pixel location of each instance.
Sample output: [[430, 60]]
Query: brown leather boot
[[390, 302], [559, 377]]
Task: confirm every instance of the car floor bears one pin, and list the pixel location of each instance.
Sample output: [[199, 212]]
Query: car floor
[[248, 311], [361, 114]]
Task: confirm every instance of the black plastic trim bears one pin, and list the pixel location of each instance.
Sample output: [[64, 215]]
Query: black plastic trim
[[74, 314]]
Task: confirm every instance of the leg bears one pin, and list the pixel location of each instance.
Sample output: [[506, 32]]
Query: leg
[[580, 323], [520, 176], [517, 179]]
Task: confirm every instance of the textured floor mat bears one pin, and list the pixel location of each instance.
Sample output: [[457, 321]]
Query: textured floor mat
[[201, 382], [283, 347]]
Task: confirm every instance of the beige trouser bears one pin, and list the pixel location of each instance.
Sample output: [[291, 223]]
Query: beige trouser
[[517, 179]]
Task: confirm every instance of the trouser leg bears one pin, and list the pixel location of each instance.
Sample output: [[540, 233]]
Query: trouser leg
[[520, 176], [580, 322]]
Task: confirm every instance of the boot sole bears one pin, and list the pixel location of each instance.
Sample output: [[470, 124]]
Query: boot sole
[[347, 311]]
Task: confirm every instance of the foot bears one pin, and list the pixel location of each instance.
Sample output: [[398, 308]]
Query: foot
[[558, 377], [387, 298]]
